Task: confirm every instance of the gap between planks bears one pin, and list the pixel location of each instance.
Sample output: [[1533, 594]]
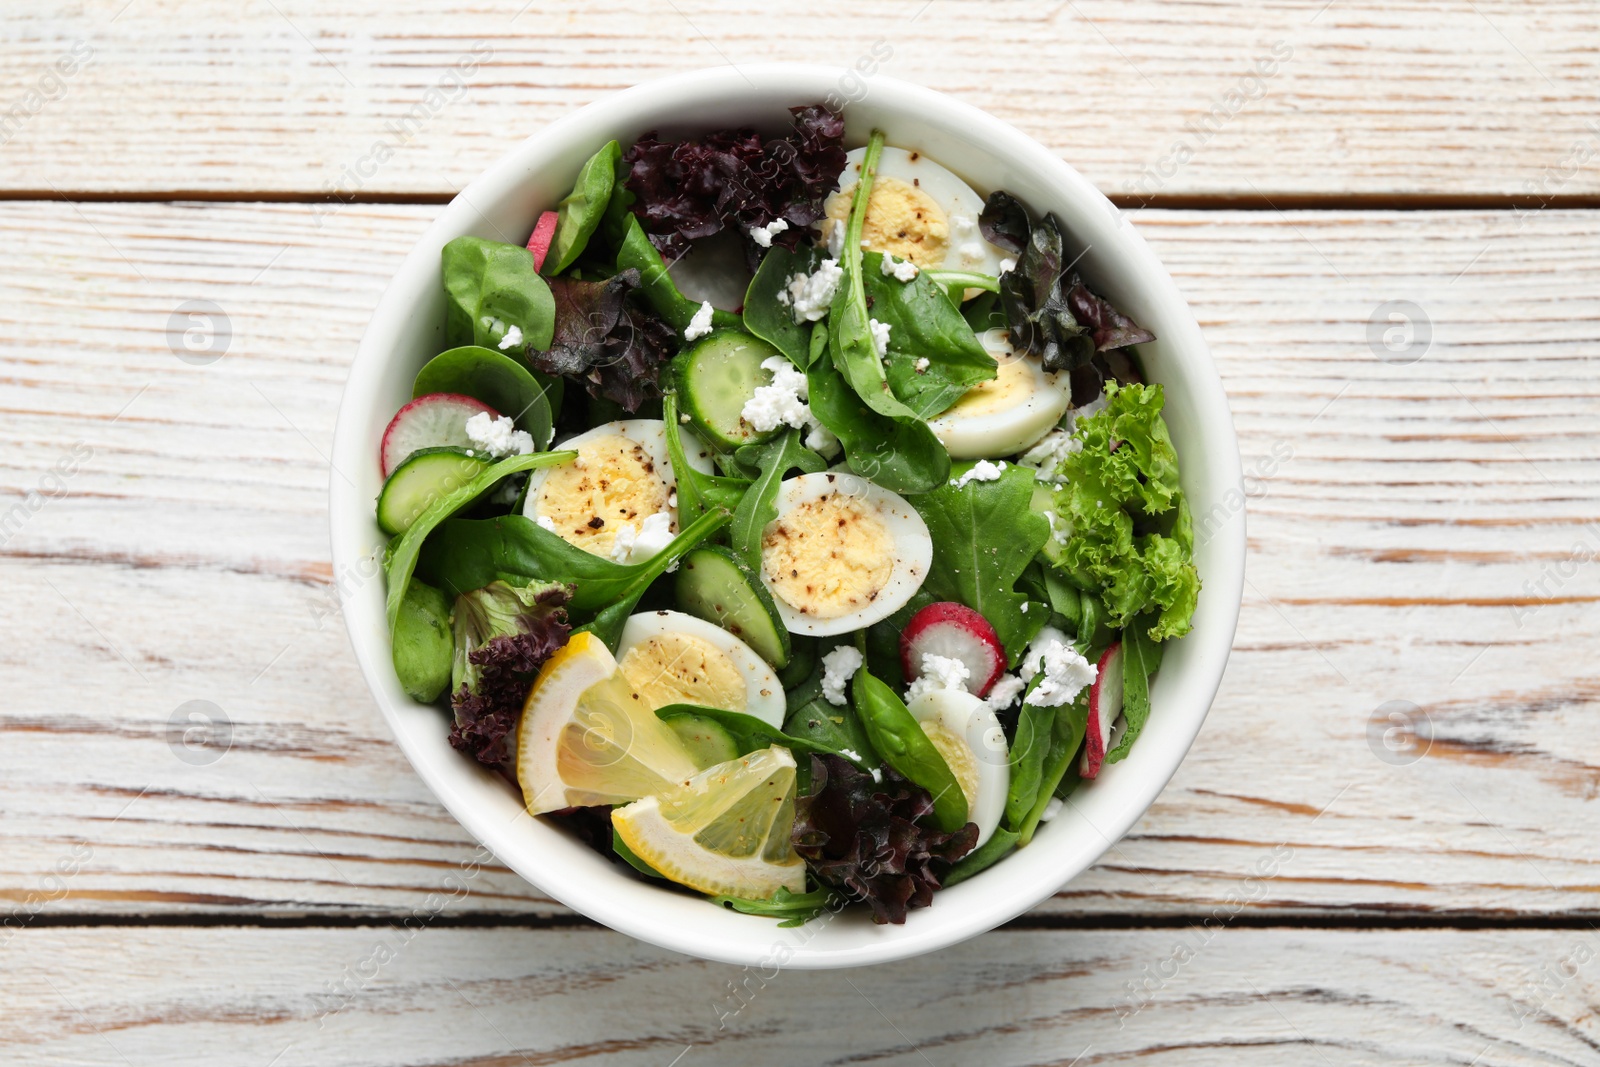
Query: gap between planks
[[1124, 201]]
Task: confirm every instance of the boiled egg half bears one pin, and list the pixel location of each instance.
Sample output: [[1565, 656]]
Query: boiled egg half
[[843, 553], [621, 478], [918, 210], [672, 658], [969, 737], [1010, 412]]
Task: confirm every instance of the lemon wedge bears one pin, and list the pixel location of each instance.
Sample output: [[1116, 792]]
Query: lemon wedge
[[587, 737], [724, 831]]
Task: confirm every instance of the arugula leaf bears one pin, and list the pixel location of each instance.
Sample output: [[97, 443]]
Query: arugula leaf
[[748, 732], [774, 459], [579, 214], [656, 284], [984, 536], [489, 288], [696, 491], [771, 319], [795, 909], [901, 454], [1141, 657], [1124, 480], [468, 554], [403, 553], [924, 324]]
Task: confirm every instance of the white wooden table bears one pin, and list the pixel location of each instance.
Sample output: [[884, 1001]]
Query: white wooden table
[[212, 853]]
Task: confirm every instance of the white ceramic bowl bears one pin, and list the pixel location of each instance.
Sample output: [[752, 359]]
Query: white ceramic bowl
[[406, 330]]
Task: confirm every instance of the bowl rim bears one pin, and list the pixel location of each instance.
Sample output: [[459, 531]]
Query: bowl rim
[[659, 922]]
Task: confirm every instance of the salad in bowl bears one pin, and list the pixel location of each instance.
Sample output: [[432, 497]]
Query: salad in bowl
[[787, 520]]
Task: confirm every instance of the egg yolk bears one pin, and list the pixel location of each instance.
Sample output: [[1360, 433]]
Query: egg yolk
[[613, 481], [829, 556], [679, 668], [958, 756], [901, 220], [1013, 380]]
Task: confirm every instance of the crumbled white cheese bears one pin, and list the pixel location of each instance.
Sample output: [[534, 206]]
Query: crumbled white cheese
[[512, 339], [782, 402], [965, 239], [1051, 451], [544, 523], [880, 336], [1005, 690], [838, 667], [836, 239], [899, 269], [981, 471], [499, 437], [622, 546], [921, 365], [850, 753], [938, 672], [700, 325], [1051, 809], [812, 294], [1061, 533], [877, 774], [763, 235], [1024, 608], [672, 498], [1007, 266], [1065, 671], [655, 534]]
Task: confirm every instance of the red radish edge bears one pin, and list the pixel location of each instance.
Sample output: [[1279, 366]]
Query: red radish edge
[[965, 624], [1105, 708], [391, 453], [544, 232]]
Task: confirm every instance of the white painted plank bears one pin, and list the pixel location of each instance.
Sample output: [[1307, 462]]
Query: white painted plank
[[503, 997], [1398, 553], [1168, 97]]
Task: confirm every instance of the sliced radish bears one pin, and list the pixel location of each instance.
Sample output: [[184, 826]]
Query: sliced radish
[[431, 421], [544, 231], [1105, 708], [956, 632]]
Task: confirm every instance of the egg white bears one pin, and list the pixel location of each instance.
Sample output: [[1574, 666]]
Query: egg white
[[764, 697], [968, 250], [970, 719], [1012, 423], [912, 547], [651, 434]]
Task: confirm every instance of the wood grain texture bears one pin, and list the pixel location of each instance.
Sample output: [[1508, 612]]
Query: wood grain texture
[[1413, 538], [493, 998], [1147, 97]]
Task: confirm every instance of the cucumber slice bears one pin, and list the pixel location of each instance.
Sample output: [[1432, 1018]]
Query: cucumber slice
[[716, 378], [425, 476], [707, 741], [715, 585]]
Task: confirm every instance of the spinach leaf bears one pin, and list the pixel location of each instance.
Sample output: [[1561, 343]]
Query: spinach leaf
[[772, 319], [899, 453], [403, 553], [580, 212], [422, 643], [1001, 843], [748, 732], [984, 536], [490, 287], [984, 313], [467, 554], [795, 909], [1029, 749], [657, 286], [925, 325], [497, 380], [1141, 657], [1066, 737], [759, 506], [696, 491]]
